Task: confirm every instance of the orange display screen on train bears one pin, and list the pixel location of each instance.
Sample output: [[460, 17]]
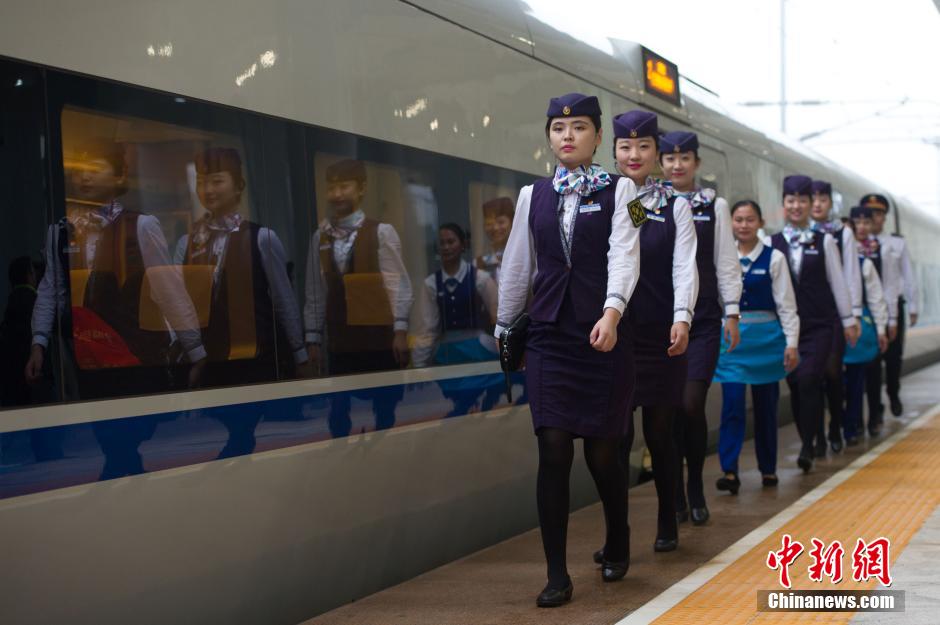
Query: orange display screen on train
[[661, 77]]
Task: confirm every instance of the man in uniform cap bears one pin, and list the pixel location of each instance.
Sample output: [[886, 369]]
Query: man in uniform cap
[[899, 277]]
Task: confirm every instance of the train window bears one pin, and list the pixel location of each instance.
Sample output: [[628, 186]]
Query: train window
[[190, 245], [25, 208]]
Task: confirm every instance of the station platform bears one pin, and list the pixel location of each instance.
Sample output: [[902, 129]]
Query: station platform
[[887, 486]]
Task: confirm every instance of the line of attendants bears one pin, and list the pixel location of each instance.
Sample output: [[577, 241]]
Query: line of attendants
[[641, 291]]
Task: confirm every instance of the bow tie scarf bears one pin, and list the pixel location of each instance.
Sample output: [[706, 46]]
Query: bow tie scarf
[[209, 224], [827, 227], [342, 228], [655, 193], [868, 247], [700, 197], [580, 180], [746, 263], [84, 218], [797, 236]]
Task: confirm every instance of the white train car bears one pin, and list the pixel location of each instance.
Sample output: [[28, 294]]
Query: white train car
[[319, 501]]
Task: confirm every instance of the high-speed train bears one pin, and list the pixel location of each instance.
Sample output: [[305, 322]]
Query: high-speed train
[[284, 495]]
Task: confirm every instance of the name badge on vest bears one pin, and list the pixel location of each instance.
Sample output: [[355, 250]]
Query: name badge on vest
[[73, 249], [812, 251], [589, 208], [655, 217], [326, 246], [701, 217], [759, 272]]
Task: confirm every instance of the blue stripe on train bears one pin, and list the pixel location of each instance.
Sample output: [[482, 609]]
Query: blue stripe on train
[[48, 458]]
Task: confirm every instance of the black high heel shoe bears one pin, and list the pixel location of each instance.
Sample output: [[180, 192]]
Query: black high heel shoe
[[730, 484], [769, 480], [614, 571], [700, 516], [554, 597], [663, 545]]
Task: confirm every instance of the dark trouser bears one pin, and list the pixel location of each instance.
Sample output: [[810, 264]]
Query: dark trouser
[[895, 353], [854, 398], [873, 379], [384, 399], [733, 415], [808, 407]]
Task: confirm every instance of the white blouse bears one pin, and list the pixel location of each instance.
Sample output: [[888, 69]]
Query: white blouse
[[875, 295], [782, 288], [519, 259]]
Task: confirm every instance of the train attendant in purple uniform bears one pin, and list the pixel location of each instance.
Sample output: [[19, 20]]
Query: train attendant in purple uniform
[[719, 274], [822, 300], [574, 246], [874, 338], [770, 334], [661, 312], [823, 220]]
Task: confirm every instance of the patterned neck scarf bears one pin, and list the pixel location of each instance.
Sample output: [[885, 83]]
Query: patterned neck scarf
[[580, 180], [86, 218], [655, 193], [699, 197], [825, 226], [344, 227], [209, 224], [868, 247], [797, 236]]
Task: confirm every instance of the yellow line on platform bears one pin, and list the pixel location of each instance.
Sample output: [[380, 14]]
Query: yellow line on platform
[[892, 496]]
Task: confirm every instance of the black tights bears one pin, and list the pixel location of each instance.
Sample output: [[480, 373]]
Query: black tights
[[690, 431], [833, 386], [556, 452], [657, 430], [807, 405]]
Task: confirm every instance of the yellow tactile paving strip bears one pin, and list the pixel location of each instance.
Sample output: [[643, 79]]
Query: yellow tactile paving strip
[[892, 496]]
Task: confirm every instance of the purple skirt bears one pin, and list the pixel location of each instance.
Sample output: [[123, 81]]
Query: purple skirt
[[704, 342], [815, 345], [660, 379], [838, 340], [574, 387]]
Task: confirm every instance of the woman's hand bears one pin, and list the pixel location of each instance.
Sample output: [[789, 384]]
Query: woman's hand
[[852, 333], [791, 358], [678, 339], [732, 333], [882, 343], [604, 334]]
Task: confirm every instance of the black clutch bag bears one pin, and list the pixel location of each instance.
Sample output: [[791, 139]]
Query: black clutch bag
[[512, 348]]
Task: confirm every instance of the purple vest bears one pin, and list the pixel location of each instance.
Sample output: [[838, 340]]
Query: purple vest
[[653, 300], [704, 219], [814, 300], [585, 281]]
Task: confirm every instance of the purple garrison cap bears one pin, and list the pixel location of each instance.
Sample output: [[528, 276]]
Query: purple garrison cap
[[678, 141], [860, 212], [573, 105], [822, 187], [797, 185], [876, 201], [635, 124]]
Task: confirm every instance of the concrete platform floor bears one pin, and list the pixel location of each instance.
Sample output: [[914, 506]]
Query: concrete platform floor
[[498, 585]]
